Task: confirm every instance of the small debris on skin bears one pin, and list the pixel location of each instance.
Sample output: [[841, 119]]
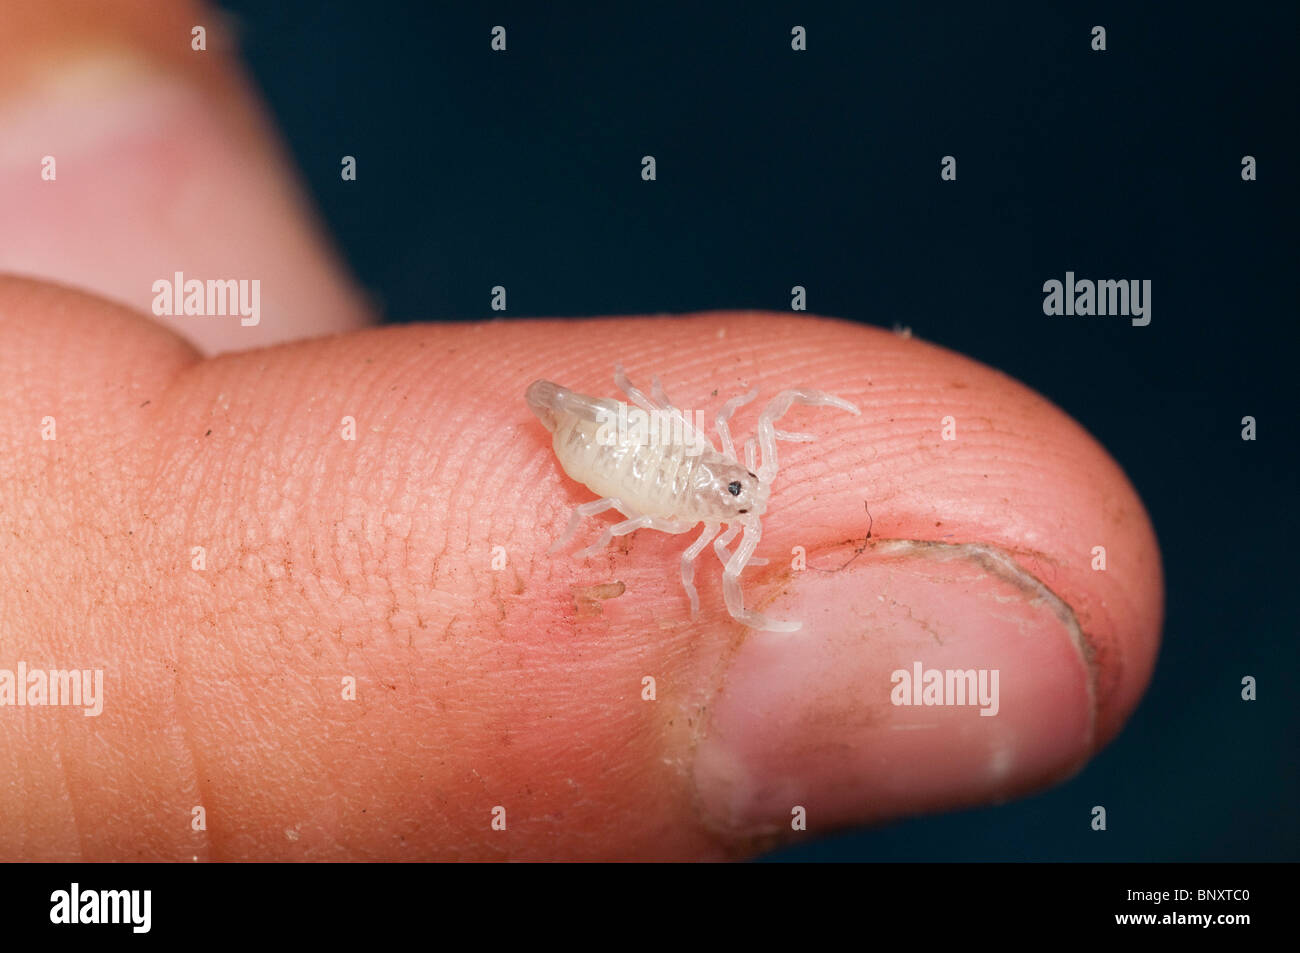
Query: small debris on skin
[[587, 599]]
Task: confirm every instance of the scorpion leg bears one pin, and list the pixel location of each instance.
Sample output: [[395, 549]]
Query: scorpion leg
[[631, 526], [658, 394], [767, 432], [634, 393], [722, 542], [581, 511], [724, 414], [661, 405], [688, 564], [731, 591]]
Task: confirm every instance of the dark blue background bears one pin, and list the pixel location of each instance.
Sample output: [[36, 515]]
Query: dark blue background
[[821, 168]]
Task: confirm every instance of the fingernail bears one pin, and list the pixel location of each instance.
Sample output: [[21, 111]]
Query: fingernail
[[826, 726], [76, 103]]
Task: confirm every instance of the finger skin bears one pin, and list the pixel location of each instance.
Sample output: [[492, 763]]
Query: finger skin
[[164, 162], [372, 559]]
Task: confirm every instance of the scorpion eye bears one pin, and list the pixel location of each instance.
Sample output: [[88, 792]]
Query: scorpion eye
[[734, 488]]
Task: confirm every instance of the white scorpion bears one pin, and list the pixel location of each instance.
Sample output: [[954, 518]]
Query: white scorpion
[[675, 485]]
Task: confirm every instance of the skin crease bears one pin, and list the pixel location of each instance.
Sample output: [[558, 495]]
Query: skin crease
[[371, 558]]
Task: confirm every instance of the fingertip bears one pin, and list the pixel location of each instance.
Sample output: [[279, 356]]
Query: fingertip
[[134, 159]]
